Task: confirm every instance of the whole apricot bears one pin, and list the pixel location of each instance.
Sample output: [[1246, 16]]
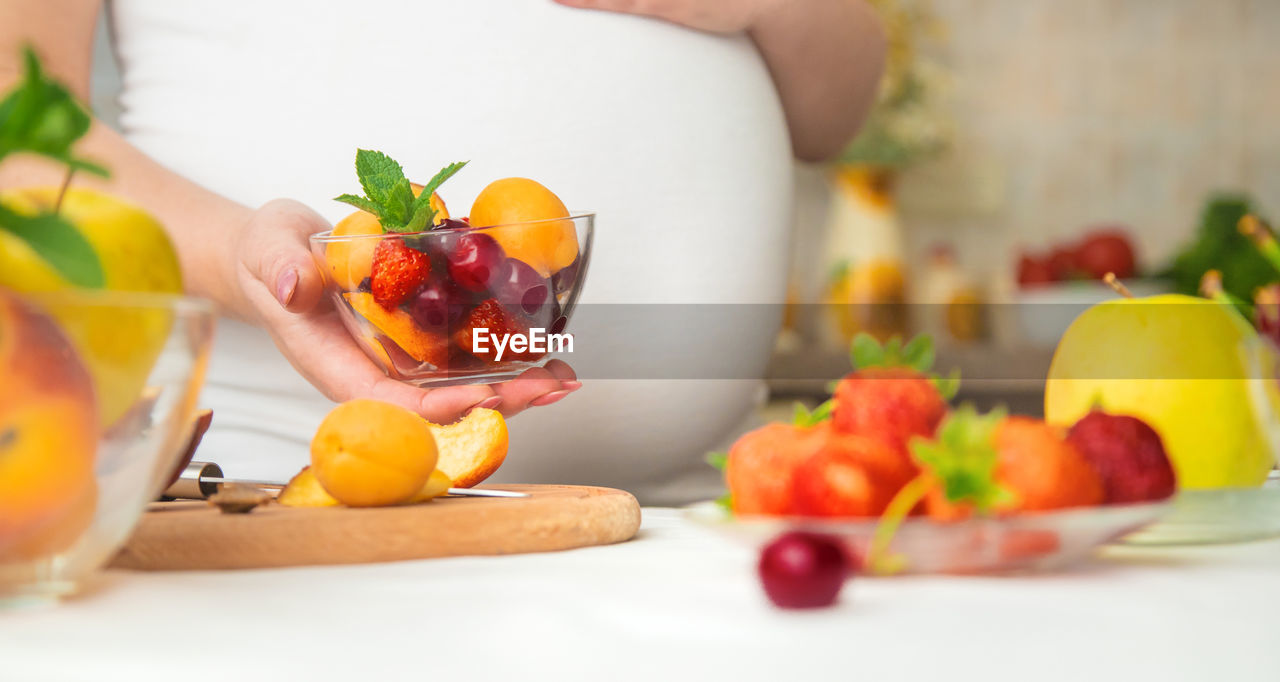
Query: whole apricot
[[546, 244], [368, 453]]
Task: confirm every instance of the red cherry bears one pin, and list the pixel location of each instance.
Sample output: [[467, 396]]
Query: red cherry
[[803, 570], [475, 261]]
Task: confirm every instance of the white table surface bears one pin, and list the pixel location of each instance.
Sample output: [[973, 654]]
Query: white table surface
[[678, 602]]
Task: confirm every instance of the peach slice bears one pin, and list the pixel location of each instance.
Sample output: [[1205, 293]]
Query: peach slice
[[400, 328], [438, 484], [472, 448], [304, 490]]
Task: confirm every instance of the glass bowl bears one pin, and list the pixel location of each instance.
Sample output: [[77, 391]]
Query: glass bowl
[[459, 304], [97, 402], [1026, 542]]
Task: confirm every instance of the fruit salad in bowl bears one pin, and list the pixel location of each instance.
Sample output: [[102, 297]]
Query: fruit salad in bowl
[[437, 300]]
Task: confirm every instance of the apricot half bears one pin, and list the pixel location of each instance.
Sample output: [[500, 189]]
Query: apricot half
[[368, 453], [471, 449]]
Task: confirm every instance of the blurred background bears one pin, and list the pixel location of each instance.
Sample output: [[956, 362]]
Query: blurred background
[[1021, 148]]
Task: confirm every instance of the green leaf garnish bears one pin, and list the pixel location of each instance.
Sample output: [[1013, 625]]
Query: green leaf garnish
[[962, 461], [807, 418], [39, 116], [388, 194], [918, 354], [717, 460], [725, 502], [963, 458], [59, 243]]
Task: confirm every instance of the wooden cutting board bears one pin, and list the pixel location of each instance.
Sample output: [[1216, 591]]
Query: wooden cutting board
[[189, 535]]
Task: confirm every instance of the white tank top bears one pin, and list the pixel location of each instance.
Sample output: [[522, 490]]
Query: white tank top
[[674, 137]]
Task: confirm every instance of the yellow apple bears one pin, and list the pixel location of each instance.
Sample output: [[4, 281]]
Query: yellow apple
[[120, 346], [1189, 367]]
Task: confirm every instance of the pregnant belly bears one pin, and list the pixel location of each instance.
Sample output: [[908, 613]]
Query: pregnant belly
[[674, 138]]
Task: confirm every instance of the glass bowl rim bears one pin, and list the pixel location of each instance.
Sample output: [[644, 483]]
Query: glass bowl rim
[[328, 236], [114, 298]]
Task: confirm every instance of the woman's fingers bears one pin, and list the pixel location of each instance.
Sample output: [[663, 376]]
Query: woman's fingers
[[537, 387], [277, 254]]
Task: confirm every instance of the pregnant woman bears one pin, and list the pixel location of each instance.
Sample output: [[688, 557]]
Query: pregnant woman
[[677, 126]]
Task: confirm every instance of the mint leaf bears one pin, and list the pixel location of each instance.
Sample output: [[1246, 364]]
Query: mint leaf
[[389, 194], [40, 116], [423, 214], [717, 460], [377, 173], [361, 203], [398, 207], [59, 243], [438, 179]]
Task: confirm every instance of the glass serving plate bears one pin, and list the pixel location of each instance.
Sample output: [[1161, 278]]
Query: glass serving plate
[[1035, 541]]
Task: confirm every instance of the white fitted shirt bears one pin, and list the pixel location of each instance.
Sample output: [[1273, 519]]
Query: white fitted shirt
[[674, 137]]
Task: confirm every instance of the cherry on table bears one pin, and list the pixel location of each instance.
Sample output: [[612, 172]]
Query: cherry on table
[[803, 570]]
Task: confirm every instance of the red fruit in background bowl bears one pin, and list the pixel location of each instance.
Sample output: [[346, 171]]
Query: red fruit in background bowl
[[1062, 263], [761, 465], [399, 271], [1034, 271], [1108, 250], [803, 570], [1127, 454]]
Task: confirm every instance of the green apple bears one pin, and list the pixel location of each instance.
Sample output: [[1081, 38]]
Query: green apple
[[1191, 368]]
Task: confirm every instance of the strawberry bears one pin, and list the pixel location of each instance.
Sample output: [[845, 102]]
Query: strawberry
[[499, 322], [1127, 453], [845, 478], [1042, 469], [996, 463], [399, 272], [761, 465], [890, 395]]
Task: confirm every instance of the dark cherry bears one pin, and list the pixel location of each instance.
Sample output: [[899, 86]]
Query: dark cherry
[[475, 261], [803, 570], [452, 224], [562, 279], [520, 287], [438, 305]]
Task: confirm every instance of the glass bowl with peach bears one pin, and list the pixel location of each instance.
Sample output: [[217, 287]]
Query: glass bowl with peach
[[436, 300], [97, 405]]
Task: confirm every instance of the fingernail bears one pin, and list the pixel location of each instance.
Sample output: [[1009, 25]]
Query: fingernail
[[548, 398], [489, 403], [571, 385], [285, 286]]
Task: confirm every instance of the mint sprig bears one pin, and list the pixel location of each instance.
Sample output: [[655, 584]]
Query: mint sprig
[[388, 194], [39, 116]]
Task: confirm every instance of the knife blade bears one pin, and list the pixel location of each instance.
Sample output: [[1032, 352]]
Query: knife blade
[[198, 480]]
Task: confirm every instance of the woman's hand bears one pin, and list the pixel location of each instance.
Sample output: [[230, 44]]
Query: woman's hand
[[716, 16], [281, 287]]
